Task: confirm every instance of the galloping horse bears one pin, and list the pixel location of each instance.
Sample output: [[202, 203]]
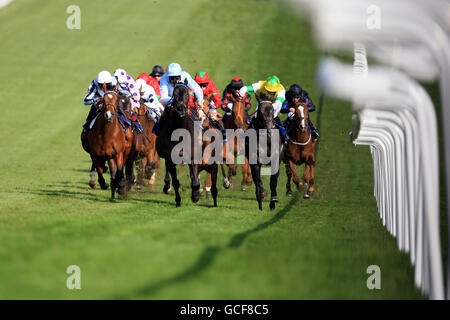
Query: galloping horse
[[237, 121], [178, 115], [265, 120], [300, 149], [143, 150], [107, 141]]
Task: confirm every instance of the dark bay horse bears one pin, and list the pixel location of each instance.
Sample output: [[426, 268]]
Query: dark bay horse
[[237, 121], [107, 141], [178, 115], [264, 124], [300, 149]]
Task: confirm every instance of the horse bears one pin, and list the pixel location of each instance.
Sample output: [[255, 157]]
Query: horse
[[108, 141], [299, 150], [143, 151], [178, 115], [237, 121], [264, 120]]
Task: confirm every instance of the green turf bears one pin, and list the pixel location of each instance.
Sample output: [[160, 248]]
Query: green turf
[[143, 247]]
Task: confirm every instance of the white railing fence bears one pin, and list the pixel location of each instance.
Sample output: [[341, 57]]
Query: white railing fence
[[396, 116]]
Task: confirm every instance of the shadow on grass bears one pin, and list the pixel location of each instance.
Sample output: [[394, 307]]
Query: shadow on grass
[[208, 255]]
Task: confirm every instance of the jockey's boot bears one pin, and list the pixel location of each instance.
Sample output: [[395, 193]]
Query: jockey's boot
[[282, 130], [91, 115], [136, 124], [123, 118], [314, 131]]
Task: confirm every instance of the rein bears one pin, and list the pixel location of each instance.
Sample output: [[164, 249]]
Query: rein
[[301, 143]]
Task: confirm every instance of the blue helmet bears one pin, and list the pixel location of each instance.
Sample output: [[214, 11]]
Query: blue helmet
[[174, 70]]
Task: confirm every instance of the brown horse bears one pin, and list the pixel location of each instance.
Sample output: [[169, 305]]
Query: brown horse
[[237, 121], [299, 150], [143, 151], [107, 141]]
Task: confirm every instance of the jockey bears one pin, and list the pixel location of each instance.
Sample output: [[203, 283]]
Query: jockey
[[209, 89], [150, 99], [271, 90], [153, 79], [176, 75], [128, 83], [95, 94], [294, 95], [232, 90]]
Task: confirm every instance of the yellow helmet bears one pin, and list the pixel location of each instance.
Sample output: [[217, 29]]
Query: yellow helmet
[[272, 84]]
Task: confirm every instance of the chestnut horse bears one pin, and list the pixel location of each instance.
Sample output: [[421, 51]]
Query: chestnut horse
[[107, 141], [178, 115], [143, 151], [299, 150], [237, 121]]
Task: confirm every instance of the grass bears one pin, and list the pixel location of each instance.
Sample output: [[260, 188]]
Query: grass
[[143, 247]]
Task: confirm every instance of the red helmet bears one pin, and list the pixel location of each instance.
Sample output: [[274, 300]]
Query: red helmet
[[202, 77]]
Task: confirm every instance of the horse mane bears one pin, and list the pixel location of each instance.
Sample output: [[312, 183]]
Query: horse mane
[[180, 94]]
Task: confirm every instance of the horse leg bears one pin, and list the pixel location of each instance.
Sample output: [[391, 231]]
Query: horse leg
[[214, 172], [99, 165], [129, 169], [289, 177], [113, 170], [195, 183], [166, 188], [273, 190], [310, 190], [256, 174], [120, 178], [295, 177], [172, 169], [226, 183], [92, 180], [249, 173], [306, 178], [231, 172], [208, 184]]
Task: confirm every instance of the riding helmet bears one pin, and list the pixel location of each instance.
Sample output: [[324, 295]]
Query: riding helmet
[[157, 71]]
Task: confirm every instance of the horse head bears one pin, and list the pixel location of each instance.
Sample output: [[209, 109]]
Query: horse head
[[301, 117], [238, 111], [110, 103], [180, 99], [265, 118]]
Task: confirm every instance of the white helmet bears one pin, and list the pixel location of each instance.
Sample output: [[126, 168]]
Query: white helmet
[[174, 69], [121, 75], [104, 77], [140, 84]]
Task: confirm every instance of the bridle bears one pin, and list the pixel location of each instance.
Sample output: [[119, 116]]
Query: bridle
[[110, 104], [299, 128], [265, 121]]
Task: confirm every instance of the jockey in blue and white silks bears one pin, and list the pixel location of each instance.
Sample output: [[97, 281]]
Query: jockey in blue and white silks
[[176, 75], [95, 94], [95, 91]]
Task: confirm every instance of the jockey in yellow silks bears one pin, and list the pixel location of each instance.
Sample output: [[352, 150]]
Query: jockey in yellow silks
[[269, 90]]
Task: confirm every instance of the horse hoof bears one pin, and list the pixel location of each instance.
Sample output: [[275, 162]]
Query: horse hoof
[[243, 188], [195, 196], [207, 194], [311, 193], [272, 205], [92, 184], [274, 199], [264, 194], [104, 186], [306, 196], [289, 193], [167, 189]]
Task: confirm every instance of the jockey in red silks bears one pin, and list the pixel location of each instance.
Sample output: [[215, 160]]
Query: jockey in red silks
[[153, 79], [209, 90]]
